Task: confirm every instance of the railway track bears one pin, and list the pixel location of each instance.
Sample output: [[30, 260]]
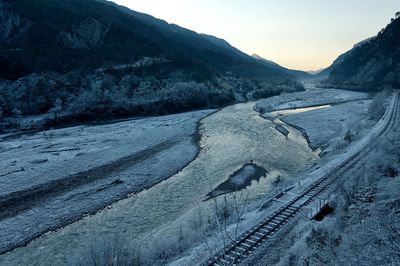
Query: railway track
[[253, 238]]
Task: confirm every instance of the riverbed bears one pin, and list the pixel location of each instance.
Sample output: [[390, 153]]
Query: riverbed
[[229, 139]]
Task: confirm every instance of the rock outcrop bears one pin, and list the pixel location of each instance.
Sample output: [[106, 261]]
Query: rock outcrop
[[88, 34], [11, 25]]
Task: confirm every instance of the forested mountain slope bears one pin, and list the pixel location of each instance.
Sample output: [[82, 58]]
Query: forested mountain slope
[[372, 65], [92, 59]]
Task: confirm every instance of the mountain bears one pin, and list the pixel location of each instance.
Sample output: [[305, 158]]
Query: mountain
[[316, 72], [372, 64], [62, 35], [225, 44], [175, 28], [94, 59], [327, 71], [298, 74], [272, 63]]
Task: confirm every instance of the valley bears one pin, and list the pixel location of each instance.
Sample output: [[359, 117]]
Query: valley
[[262, 134], [115, 194]]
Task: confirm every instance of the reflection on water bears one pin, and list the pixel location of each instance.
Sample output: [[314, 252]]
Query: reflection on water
[[299, 110], [230, 138]]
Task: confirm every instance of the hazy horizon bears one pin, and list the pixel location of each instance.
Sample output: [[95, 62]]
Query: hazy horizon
[[305, 35]]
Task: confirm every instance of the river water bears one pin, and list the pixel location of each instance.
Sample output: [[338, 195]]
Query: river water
[[230, 138]]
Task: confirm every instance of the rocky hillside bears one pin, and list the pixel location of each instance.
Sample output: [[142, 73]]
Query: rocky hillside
[[372, 65], [66, 34], [93, 59], [327, 71]]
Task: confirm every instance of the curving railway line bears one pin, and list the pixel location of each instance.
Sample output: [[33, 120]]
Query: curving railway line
[[235, 252]]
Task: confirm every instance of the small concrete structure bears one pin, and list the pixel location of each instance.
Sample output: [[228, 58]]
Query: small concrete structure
[[282, 130], [317, 207]]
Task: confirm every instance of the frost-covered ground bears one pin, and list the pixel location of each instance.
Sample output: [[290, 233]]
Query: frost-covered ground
[[275, 250], [72, 150], [308, 98], [53, 178], [324, 116], [139, 153], [363, 228], [326, 125]]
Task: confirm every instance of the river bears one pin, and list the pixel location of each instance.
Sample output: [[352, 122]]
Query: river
[[230, 138]]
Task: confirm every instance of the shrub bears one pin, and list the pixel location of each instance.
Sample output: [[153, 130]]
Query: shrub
[[114, 251], [378, 105]]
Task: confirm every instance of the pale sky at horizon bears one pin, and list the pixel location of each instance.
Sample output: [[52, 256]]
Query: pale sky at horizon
[[306, 35]]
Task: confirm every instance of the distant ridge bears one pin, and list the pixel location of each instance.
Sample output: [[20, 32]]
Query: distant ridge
[[298, 74], [64, 34]]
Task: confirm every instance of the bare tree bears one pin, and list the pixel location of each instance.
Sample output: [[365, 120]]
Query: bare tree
[[17, 114], [229, 214], [1, 119], [56, 110]]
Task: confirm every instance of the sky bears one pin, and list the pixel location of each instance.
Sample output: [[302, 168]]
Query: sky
[[299, 34]]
